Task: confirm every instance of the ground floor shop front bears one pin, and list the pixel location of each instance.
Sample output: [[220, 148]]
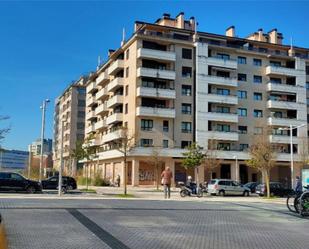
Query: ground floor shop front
[[142, 171]]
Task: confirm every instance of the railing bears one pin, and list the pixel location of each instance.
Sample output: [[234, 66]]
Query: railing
[[162, 35]]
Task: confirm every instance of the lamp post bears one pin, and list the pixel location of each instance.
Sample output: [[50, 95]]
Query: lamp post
[[43, 107], [291, 128], [61, 159], [236, 168]]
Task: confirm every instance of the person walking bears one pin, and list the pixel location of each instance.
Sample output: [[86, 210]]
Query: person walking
[[118, 180], [298, 185], [166, 181]]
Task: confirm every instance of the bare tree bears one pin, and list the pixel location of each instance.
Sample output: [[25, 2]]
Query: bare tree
[[211, 161], [262, 157], [124, 145], [156, 161], [3, 131]]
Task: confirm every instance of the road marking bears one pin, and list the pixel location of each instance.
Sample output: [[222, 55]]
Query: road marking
[[102, 234]]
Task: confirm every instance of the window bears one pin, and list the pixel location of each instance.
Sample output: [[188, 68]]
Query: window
[[223, 109], [186, 72], [81, 114], [16, 177], [81, 103], [127, 72], [242, 77], [186, 108], [257, 113], [223, 56], [307, 101], [242, 129], [165, 143], [275, 80], [80, 125], [80, 137], [186, 127], [127, 90], [224, 146], [258, 130], [146, 142], [307, 70], [257, 96], [257, 79], [275, 63], [185, 144], [242, 112], [165, 125], [243, 147], [127, 54], [222, 91], [186, 90], [146, 124], [257, 62], [187, 53], [223, 127], [126, 124], [81, 91], [126, 108], [242, 94], [242, 60]]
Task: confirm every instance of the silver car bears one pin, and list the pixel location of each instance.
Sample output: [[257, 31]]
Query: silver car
[[227, 187]]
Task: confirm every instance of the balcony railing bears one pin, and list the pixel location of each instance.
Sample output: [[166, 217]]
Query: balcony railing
[[91, 87], [220, 62], [101, 109], [90, 115], [216, 80], [156, 73], [112, 136], [284, 88], [222, 117], [101, 124], [115, 84], [155, 92], [280, 104], [276, 70], [155, 112], [156, 54], [103, 77], [114, 118], [222, 99], [115, 100], [102, 94], [116, 66], [223, 135]]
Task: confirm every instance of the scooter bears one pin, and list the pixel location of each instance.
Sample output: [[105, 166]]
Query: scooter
[[193, 190]]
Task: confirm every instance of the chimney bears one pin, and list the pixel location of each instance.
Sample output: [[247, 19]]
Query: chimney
[[166, 16], [180, 22], [230, 31], [110, 52], [273, 36], [192, 22], [260, 35]]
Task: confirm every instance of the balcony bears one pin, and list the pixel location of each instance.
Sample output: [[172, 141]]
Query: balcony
[[91, 100], [116, 66], [111, 136], [220, 81], [155, 112], [222, 117], [114, 118], [102, 78], [93, 142], [156, 54], [156, 73], [101, 124], [115, 100], [221, 135], [156, 92], [115, 84], [102, 94], [274, 70], [222, 99], [222, 63], [91, 87], [285, 121], [284, 88], [90, 129], [101, 109], [90, 115], [284, 105], [282, 139]]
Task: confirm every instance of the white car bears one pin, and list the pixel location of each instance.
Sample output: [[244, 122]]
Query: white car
[[227, 187]]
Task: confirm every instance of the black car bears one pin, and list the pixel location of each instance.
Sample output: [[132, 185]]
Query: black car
[[10, 181], [252, 186], [276, 189], [52, 183]]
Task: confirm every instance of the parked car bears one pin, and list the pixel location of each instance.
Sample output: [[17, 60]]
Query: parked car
[[251, 186], [10, 181], [276, 189], [52, 183], [227, 187]]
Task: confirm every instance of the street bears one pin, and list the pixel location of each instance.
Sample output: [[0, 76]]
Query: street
[[43, 222]]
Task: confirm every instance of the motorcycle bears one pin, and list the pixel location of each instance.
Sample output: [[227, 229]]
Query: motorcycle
[[192, 190]]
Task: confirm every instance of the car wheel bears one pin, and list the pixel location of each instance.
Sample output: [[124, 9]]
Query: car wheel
[[183, 193], [64, 190], [222, 193], [70, 187], [30, 190], [246, 193]]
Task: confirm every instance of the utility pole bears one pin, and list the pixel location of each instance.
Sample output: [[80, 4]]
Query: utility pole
[[43, 107], [29, 162], [61, 159]]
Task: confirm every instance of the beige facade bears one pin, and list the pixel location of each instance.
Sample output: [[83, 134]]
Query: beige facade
[[171, 85], [69, 112]]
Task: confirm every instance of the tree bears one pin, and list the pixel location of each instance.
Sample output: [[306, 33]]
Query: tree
[[124, 145], [262, 157], [193, 158], [211, 161], [156, 161], [3, 131]]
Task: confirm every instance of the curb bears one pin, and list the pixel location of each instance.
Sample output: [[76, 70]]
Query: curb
[[3, 240]]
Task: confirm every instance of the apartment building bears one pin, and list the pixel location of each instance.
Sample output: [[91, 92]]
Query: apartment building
[[35, 147], [70, 114], [171, 85]]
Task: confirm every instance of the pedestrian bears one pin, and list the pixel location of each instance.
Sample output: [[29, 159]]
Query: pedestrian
[[118, 180], [298, 185], [166, 181]]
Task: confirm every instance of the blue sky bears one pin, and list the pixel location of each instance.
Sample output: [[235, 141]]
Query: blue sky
[[46, 45]]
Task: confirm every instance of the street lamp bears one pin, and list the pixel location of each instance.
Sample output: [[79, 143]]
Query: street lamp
[[43, 107], [61, 159], [291, 128], [236, 167]]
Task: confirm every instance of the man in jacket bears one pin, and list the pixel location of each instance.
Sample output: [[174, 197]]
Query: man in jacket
[[298, 185], [167, 180]]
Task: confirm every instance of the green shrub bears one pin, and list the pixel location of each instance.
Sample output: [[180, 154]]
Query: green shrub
[[98, 181]]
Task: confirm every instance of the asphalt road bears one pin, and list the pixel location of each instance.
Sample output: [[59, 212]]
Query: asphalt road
[[38, 223]]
